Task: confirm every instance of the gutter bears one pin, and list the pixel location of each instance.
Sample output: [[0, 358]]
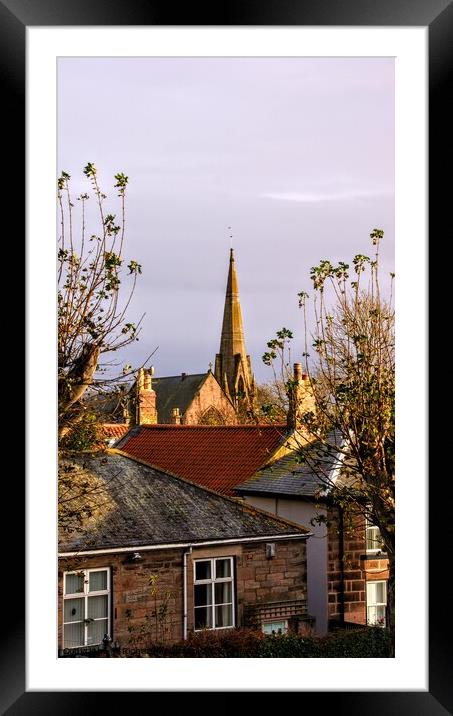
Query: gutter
[[179, 545], [341, 555]]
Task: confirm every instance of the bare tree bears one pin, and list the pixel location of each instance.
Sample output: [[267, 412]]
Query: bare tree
[[91, 313], [352, 376]]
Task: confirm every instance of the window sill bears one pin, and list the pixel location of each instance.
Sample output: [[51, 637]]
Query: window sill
[[374, 555], [198, 631]]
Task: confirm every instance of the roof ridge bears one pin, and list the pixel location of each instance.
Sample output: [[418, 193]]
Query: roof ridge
[[235, 500], [197, 426], [179, 375], [116, 425]]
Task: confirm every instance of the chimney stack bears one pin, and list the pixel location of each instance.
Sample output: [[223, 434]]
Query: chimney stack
[[301, 398], [146, 413], [175, 416]]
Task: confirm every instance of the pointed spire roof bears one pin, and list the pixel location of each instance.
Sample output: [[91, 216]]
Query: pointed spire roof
[[232, 340], [232, 360]]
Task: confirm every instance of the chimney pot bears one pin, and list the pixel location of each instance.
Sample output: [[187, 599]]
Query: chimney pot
[[175, 416], [298, 371], [147, 380]]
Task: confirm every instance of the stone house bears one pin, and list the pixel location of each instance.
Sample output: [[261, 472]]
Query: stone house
[[347, 571], [357, 572], [347, 568], [160, 557]]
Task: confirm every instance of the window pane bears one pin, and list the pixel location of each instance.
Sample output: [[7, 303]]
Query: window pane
[[371, 593], [74, 610], [224, 616], [223, 592], [98, 581], [203, 618], [96, 631], [222, 568], [74, 635], [374, 539], [202, 570], [74, 583], [369, 538], [280, 627], [97, 607], [376, 615], [376, 593], [380, 592], [203, 595]]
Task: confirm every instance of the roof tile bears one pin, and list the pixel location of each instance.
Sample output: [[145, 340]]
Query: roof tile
[[300, 473], [217, 457], [139, 505], [113, 430], [176, 391]]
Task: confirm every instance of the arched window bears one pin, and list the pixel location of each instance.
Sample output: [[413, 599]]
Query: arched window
[[212, 416]]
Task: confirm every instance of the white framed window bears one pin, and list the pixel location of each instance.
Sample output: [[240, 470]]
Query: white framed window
[[213, 593], [373, 538], [279, 626], [376, 602], [86, 607]]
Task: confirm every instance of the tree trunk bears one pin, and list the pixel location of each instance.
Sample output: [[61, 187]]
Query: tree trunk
[[74, 384], [390, 610]]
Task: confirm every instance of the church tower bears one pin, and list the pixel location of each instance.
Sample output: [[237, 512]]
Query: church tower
[[232, 365]]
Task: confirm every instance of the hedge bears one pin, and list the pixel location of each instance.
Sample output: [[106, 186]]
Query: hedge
[[369, 642]]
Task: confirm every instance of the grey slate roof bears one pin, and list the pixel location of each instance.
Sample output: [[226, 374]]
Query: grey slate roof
[[175, 392], [141, 506], [291, 477]]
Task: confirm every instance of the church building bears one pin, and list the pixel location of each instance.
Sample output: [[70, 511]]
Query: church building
[[221, 397], [233, 369]]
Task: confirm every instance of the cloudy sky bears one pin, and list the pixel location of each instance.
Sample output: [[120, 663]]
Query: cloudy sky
[[295, 155]]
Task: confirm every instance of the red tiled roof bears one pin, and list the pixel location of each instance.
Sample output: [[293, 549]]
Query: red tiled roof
[[114, 430], [217, 457]]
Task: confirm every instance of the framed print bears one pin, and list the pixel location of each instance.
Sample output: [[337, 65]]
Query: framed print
[[33, 40]]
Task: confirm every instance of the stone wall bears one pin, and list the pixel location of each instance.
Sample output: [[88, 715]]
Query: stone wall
[[350, 574], [147, 601], [134, 596], [209, 396]]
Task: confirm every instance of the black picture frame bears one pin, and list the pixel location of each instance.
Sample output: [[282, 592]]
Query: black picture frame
[[437, 15]]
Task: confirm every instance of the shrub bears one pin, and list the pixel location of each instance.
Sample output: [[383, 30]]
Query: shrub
[[369, 642], [83, 435], [233, 643]]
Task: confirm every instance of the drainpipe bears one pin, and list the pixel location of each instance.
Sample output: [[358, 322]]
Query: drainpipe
[[341, 549], [185, 592]]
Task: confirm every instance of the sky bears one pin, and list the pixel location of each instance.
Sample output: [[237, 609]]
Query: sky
[[296, 155]]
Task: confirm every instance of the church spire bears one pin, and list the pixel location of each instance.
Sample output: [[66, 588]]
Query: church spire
[[232, 364]]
